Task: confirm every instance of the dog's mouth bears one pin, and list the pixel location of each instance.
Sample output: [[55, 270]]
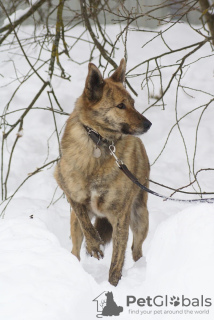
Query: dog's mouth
[[136, 130]]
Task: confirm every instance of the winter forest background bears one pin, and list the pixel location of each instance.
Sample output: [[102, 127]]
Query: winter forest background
[[45, 47]]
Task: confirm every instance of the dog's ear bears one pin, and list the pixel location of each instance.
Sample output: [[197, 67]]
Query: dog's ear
[[94, 83], [119, 74]]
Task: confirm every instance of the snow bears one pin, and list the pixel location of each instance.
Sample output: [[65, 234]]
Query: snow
[[181, 242], [36, 273], [15, 16], [18, 13], [39, 278]]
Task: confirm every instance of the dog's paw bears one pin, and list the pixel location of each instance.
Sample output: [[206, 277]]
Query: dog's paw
[[94, 249], [98, 254]]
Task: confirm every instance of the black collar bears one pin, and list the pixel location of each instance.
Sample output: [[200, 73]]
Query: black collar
[[96, 137]]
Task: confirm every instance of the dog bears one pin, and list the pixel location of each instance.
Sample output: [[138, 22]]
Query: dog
[[91, 180]]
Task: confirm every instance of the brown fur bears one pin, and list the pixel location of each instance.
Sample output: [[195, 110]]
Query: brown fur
[[96, 186]]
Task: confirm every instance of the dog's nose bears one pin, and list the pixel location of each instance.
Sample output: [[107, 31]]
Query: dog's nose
[[147, 124]]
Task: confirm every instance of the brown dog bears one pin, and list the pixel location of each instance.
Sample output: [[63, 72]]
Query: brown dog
[[89, 176]]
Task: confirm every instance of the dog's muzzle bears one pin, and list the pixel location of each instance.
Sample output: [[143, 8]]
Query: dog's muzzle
[[146, 125]]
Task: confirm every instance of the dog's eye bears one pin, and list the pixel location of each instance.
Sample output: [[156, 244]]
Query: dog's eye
[[121, 106]]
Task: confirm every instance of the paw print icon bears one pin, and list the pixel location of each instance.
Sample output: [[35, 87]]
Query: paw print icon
[[175, 301]]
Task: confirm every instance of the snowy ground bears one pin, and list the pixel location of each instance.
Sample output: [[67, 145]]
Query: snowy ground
[[39, 278]]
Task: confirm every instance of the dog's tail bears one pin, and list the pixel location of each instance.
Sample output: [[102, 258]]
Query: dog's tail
[[104, 228]]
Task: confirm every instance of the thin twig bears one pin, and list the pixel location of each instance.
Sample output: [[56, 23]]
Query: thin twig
[[29, 176], [5, 135]]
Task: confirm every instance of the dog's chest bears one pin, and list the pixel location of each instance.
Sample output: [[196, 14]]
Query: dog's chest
[[91, 190], [92, 180]]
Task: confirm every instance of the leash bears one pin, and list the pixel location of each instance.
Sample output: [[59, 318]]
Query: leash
[[128, 173], [99, 140]]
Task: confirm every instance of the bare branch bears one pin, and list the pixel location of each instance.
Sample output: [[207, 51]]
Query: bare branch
[[12, 25], [26, 110], [29, 176]]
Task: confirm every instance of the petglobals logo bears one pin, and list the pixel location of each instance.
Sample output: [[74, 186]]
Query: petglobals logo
[[165, 301], [106, 305]]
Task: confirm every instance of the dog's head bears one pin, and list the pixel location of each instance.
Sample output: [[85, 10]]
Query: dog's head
[[107, 107]]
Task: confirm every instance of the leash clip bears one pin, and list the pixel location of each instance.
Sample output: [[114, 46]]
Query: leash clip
[[112, 152]]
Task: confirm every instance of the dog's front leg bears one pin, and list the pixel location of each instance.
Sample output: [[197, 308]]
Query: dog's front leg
[[93, 240], [120, 238]]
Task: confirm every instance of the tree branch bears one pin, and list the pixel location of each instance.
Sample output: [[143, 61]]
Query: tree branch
[[11, 26], [5, 135]]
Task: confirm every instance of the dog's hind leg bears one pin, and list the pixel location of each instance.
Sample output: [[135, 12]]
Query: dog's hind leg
[[76, 235], [139, 224]]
